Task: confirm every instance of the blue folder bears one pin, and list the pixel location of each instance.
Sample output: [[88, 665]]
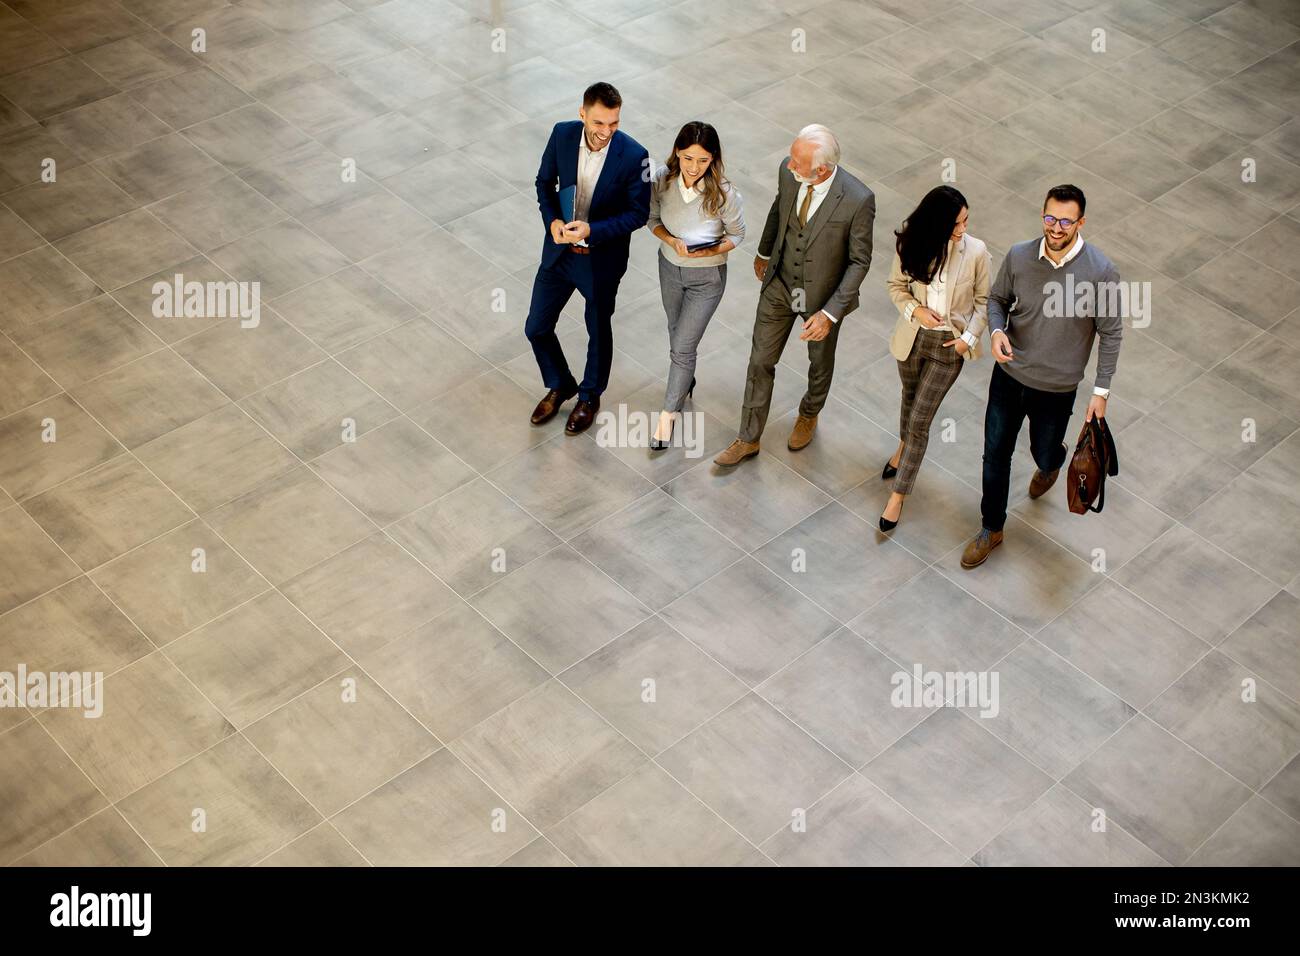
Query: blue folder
[[567, 197]]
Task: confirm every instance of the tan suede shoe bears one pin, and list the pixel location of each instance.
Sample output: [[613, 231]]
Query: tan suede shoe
[[978, 550], [1042, 481], [802, 433], [737, 452]]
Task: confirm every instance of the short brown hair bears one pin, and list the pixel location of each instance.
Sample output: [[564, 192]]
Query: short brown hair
[[604, 93], [1067, 193]]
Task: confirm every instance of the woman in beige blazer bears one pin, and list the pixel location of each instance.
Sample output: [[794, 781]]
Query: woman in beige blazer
[[940, 283]]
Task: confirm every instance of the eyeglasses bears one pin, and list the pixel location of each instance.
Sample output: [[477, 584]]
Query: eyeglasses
[[1050, 221]]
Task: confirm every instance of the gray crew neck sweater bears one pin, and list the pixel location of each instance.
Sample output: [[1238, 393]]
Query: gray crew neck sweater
[[1052, 314]]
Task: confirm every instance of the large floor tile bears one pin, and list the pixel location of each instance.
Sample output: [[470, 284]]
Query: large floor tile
[[392, 471], [547, 754], [71, 628], [1061, 830], [153, 720], [107, 511], [1123, 643], [32, 464], [256, 658], [749, 620], [454, 671], [856, 824], [585, 608], [323, 742], [1048, 710], [215, 458], [957, 778], [569, 483], [178, 581], [840, 561], [656, 549], [248, 809], [318, 409], [1218, 703], [1197, 585], [289, 524], [754, 767], [44, 792], [369, 594], [1174, 805], [437, 813], [647, 819], [653, 685], [106, 839]]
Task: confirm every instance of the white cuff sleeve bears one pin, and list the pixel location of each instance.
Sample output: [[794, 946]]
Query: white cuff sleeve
[[1103, 392], [969, 339], [909, 309]]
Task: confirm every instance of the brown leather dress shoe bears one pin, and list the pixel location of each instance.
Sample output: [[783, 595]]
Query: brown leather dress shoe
[[802, 433], [1042, 481], [580, 419], [549, 405], [978, 550], [737, 452]]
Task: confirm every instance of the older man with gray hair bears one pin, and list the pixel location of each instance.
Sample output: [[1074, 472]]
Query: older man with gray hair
[[814, 254]]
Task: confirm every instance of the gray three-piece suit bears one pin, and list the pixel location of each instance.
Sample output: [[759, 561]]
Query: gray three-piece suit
[[826, 259]]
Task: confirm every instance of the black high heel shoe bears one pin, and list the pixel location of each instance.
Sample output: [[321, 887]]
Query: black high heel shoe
[[657, 444], [886, 525], [691, 391], [889, 472]]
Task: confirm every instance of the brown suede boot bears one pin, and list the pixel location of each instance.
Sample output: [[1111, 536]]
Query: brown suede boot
[[978, 550], [802, 433], [737, 452]]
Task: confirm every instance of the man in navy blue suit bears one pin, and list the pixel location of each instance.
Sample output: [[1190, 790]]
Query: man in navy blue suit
[[611, 174]]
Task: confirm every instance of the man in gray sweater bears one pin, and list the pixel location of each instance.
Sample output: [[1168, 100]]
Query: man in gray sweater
[[1052, 297]]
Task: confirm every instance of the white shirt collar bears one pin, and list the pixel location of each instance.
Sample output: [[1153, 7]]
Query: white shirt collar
[[1073, 251], [689, 195]]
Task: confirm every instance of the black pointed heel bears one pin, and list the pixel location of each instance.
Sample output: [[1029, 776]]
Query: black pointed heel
[[889, 472], [691, 391], [886, 525], [659, 444]]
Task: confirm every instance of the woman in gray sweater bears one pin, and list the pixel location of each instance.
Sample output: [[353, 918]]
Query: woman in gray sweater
[[697, 216]]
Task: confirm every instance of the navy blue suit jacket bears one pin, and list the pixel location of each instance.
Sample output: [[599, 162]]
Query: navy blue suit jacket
[[619, 206]]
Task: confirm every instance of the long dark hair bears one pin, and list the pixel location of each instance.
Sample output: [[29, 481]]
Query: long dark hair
[[922, 242], [697, 133]]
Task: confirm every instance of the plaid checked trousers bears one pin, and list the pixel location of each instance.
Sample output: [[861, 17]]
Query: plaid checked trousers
[[928, 373]]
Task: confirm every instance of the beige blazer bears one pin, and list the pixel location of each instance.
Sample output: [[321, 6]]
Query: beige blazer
[[968, 296]]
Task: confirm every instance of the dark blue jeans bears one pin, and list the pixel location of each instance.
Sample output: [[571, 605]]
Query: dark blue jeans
[[1009, 404], [551, 292]]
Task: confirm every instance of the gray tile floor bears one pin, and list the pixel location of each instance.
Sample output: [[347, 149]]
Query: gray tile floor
[[430, 644]]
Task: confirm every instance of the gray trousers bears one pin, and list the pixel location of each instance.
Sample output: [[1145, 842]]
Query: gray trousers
[[691, 296], [772, 326]]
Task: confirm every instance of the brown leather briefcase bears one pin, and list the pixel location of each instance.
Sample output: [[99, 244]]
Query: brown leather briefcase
[[1093, 461]]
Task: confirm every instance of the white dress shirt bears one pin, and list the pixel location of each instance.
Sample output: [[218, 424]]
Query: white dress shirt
[[590, 163]]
